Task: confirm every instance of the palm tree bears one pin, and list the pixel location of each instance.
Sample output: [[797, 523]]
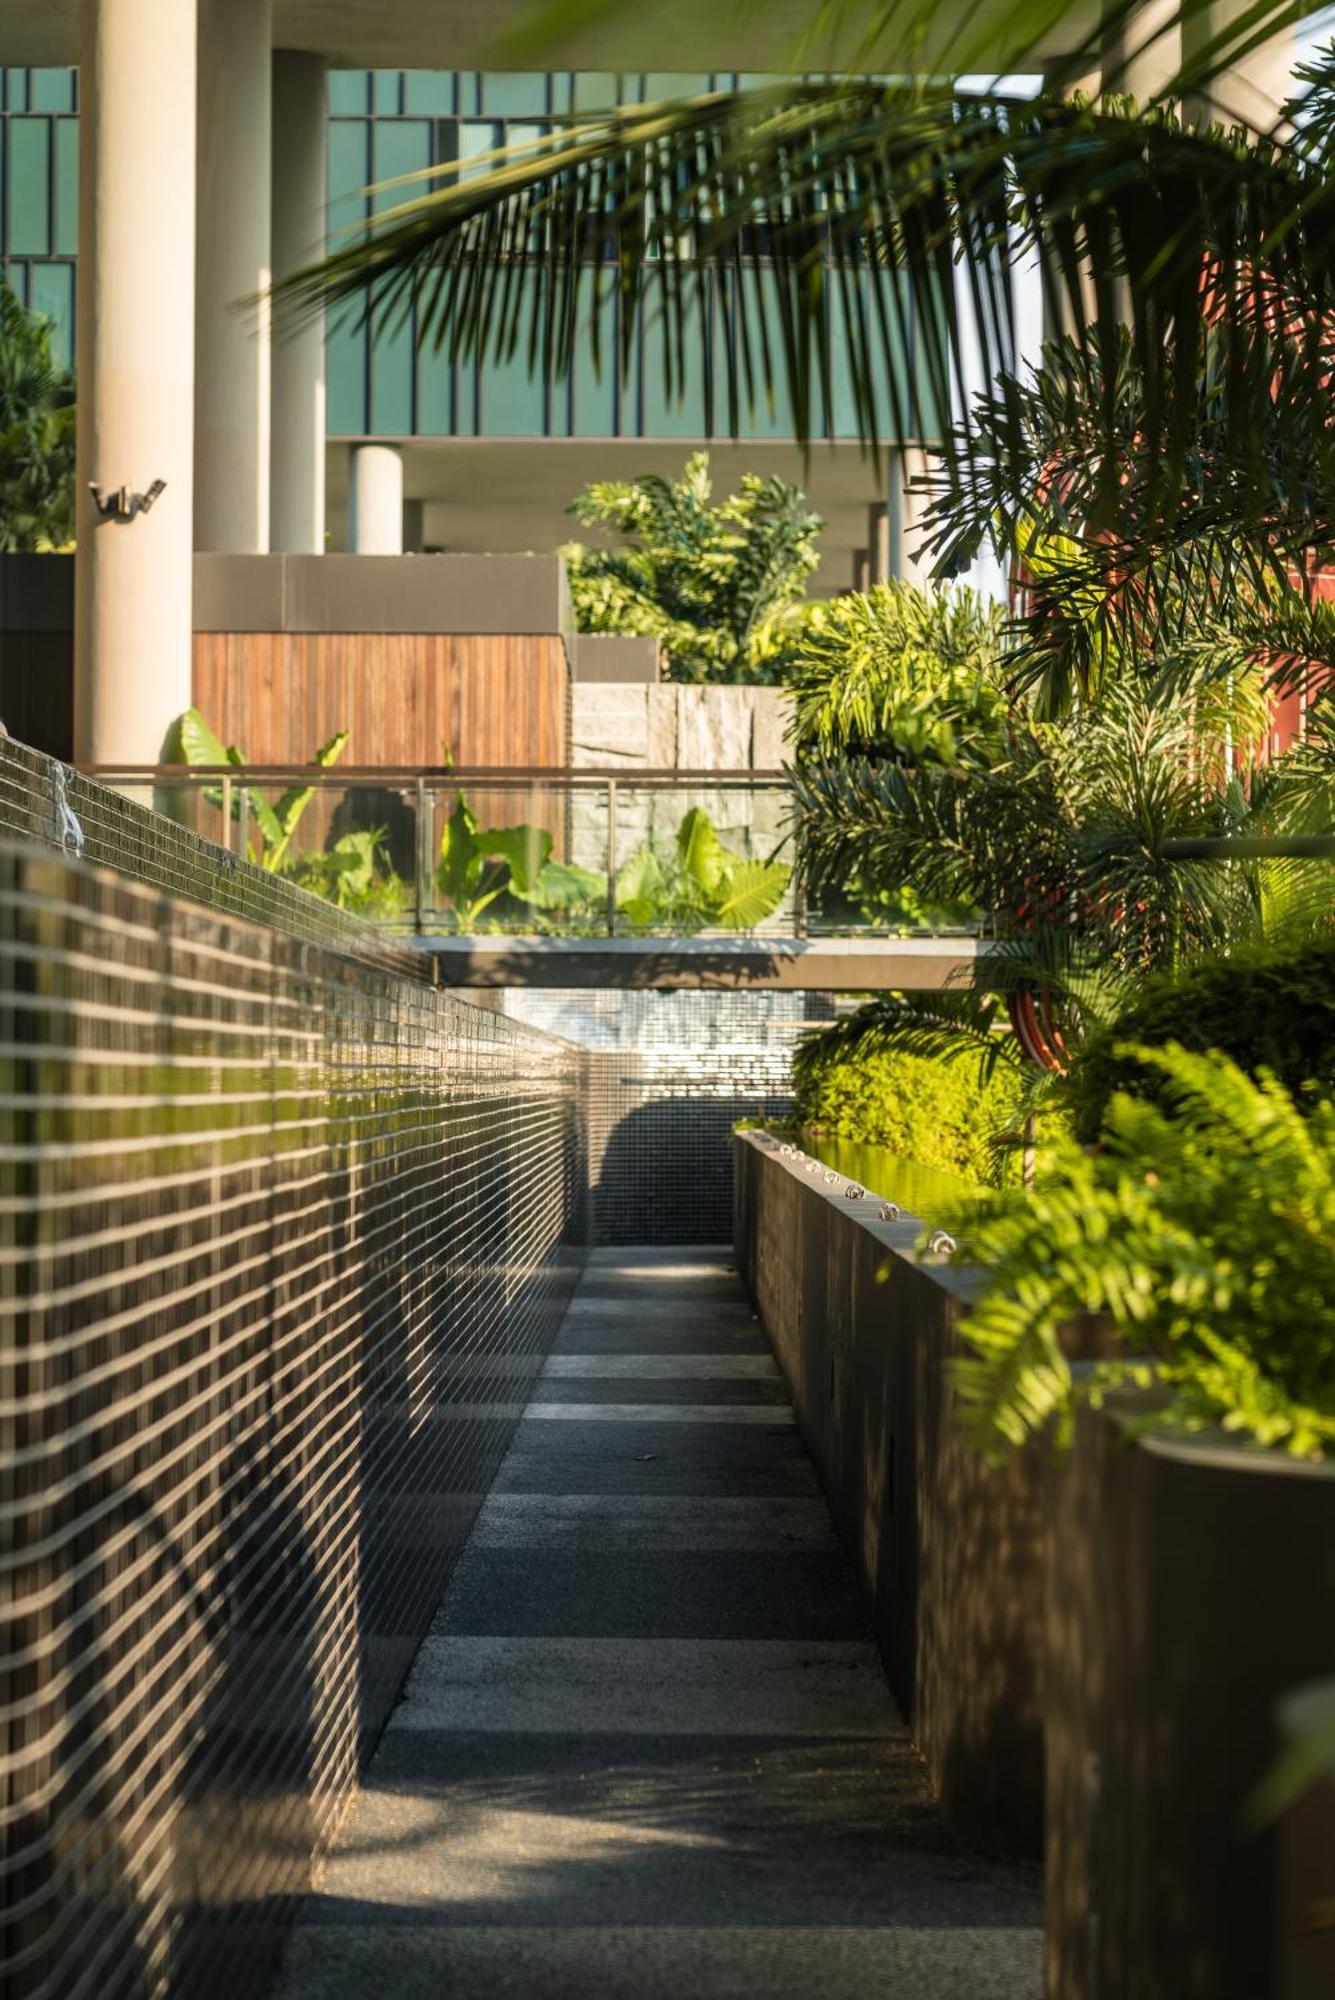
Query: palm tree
[[1214, 250]]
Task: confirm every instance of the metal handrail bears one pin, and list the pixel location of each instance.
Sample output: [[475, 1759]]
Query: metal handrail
[[557, 776]]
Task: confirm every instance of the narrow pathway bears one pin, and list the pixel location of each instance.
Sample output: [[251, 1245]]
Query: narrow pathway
[[648, 1749]]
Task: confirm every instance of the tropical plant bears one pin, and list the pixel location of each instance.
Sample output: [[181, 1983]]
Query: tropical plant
[[1204, 1229], [1063, 842], [36, 434], [908, 676], [276, 823], [354, 873], [1266, 1007], [902, 674], [718, 585], [1214, 248], [700, 886], [478, 865], [915, 1106]]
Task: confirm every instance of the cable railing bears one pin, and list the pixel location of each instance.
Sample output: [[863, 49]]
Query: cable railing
[[477, 850]]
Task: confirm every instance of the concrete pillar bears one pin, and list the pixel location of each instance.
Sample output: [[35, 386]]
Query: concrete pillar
[[1255, 86], [905, 509], [136, 345], [1143, 52], [376, 527], [232, 333], [297, 472], [878, 542]]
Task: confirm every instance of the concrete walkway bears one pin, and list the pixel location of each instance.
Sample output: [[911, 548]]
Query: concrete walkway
[[648, 1749]]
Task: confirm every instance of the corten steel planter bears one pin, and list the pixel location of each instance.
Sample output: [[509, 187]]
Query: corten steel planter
[[1305, 1881], [952, 1552], [1192, 1584]]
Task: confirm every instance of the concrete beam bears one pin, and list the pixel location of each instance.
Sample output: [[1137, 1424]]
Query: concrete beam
[[724, 964]]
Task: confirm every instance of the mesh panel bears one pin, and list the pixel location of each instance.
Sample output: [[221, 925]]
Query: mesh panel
[[284, 1234], [669, 1076]]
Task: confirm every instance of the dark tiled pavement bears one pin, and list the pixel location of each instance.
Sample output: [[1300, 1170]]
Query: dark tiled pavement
[[648, 1746]]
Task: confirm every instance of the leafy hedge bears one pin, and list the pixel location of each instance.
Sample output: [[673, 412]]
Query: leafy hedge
[[918, 1106], [1204, 1228], [1265, 1008]]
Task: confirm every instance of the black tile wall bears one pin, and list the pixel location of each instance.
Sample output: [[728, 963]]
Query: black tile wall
[[669, 1076], [284, 1236]]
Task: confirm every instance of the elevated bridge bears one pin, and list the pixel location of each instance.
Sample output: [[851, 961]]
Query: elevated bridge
[[726, 964]]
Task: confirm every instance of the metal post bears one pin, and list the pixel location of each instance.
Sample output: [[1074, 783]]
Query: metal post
[[611, 857], [227, 813], [423, 846]]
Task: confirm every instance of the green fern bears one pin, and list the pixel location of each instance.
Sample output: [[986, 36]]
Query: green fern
[[1204, 1229]]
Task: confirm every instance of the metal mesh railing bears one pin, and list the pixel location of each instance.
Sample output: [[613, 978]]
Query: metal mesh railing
[[283, 1235]]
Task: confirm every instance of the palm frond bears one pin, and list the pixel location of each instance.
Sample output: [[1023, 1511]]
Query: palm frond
[[861, 197]]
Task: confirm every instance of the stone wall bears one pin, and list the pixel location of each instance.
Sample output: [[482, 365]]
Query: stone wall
[[663, 728]]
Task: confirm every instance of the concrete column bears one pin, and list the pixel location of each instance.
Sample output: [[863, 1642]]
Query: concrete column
[[232, 334], [904, 556], [376, 527], [878, 541], [1143, 53], [1254, 88], [136, 345], [300, 197]]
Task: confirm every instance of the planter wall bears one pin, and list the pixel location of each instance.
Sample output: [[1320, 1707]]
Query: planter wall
[[1192, 1584], [952, 1553]]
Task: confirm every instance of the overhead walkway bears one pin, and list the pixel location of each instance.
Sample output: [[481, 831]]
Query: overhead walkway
[[742, 963], [648, 1748]]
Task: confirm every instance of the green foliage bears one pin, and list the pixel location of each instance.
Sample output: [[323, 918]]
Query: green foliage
[[900, 673], [719, 585], [36, 435], [276, 823], [1266, 1009], [1204, 1229], [905, 676], [703, 886], [935, 1112], [354, 873]]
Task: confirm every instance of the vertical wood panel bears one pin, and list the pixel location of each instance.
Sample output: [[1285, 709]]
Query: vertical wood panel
[[402, 697]]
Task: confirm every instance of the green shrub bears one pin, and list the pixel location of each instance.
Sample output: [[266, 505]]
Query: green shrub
[[921, 1107], [1204, 1228], [1266, 1008]]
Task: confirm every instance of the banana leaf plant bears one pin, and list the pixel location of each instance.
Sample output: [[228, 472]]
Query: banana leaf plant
[[703, 885], [277, 823]]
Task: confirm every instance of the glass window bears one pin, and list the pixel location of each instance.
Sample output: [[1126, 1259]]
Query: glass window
[[349, 171], [595, 391], [67, 186], [392, 369], [682, 414], [387, 92], [435, 393], [52, 90], [596, 89], [349, 91], [512, 403], [345, 376], [522, 94], [429, 92], [29, 217], [402, 146], [674, 83], [51, 292], [16, 90]]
